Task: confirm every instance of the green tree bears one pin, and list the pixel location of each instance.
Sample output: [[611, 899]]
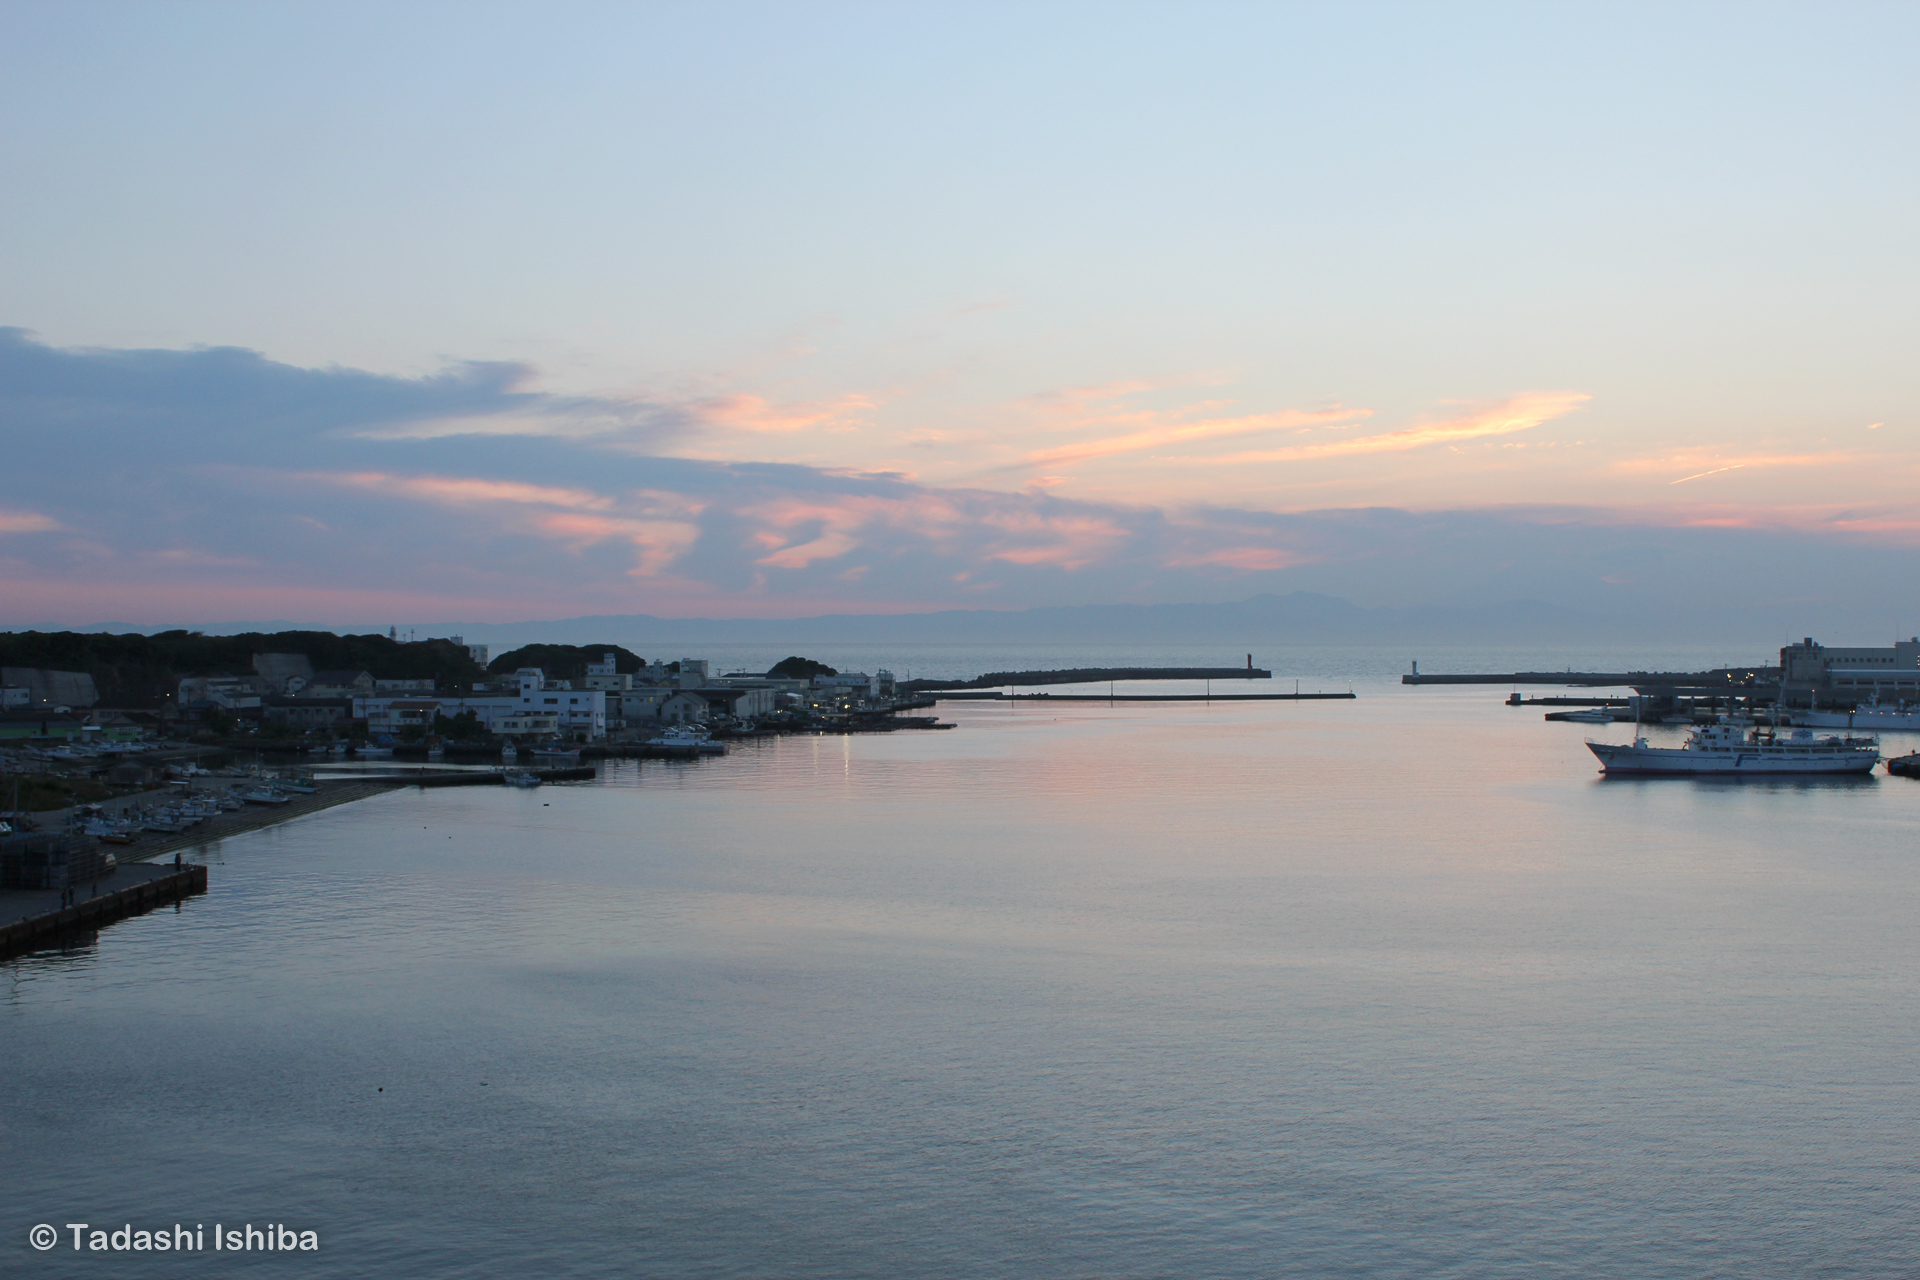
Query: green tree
[[565, 661], [798, 668], [464, 727]]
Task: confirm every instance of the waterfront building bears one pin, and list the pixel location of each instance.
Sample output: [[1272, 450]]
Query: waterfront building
[[605, 675], [305, 713], [52, 688], [283, 672], [339, 684], [742, 703], [1859, 673], [516, 724], [576, 712], [858, 684], [683, 706], [229, 693]]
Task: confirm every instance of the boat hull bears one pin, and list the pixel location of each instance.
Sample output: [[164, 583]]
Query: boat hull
[[1748, 762]]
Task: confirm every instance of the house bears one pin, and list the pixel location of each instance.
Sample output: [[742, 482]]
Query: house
[[683, 706], [339, 684], [306, 713], [283, 672], [630, 706], [113, 726], [858, 684], [602, 675], [740, 703], [403, 686], [396, 715], [229, 693], [537, 724]]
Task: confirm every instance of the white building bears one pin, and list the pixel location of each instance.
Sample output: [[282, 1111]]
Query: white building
[[575, 712], [859, 684], [234, 693], [682, 706], [604, 675], [517, 724], [580, 710]]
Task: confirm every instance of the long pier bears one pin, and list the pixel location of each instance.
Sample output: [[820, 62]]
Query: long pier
[[127, 890]]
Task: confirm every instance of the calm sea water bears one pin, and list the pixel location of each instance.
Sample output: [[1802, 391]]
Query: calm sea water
[[1395, 987]]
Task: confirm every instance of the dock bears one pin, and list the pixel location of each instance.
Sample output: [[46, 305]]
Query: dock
[[34, 918], [1721, 682]]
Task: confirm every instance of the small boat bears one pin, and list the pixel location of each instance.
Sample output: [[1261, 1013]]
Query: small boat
[[1592, 715], [687, 740], [1907, 766], [265, 795], [520, 778]]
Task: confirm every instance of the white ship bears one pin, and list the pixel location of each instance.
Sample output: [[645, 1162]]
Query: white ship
[[1740, 750]]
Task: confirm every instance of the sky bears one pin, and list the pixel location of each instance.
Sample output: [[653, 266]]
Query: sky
[[491, 312]]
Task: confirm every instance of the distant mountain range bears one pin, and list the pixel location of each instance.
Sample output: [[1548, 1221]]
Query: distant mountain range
[[1300, 617]]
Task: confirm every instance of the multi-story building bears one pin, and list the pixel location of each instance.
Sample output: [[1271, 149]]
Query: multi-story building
[[576, 712], [1852, 673]]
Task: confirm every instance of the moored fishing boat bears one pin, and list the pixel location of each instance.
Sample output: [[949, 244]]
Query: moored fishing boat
[[686, 739], [1737, 749]]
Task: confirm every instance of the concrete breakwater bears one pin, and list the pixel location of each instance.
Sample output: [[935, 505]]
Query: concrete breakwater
[[1088, 675], [33, 918], [996, 695]]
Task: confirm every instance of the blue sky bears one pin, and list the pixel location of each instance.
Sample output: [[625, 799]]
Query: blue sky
[[523, 311]]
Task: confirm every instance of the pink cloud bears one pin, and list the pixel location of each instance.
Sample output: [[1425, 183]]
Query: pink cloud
[[26, 522], [467, 489], [1168, 433], [744, 412], [1251, 559], [1519, 413]]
